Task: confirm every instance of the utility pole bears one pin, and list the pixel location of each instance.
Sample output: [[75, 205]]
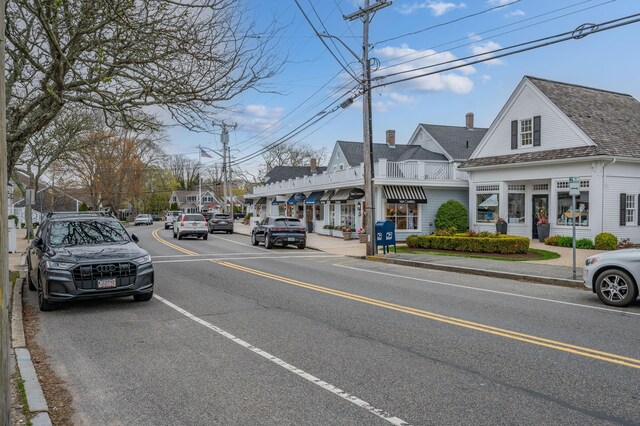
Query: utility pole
[[365, 14], [226, 167], [5, 289]]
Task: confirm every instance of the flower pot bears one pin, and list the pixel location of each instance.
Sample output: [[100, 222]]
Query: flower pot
[[363, 238], [346, 235], [501, 227], [543, 231]]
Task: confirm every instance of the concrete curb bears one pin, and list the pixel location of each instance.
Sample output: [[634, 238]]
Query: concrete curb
[[482, 272], [38, 407]]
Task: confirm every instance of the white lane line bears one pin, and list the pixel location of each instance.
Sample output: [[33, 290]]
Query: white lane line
[[316, 381], [201, 254], [249, 258], [242, 244], [505, 293]]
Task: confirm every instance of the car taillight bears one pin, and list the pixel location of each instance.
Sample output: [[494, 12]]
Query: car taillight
[[182, 222], [279, 229]]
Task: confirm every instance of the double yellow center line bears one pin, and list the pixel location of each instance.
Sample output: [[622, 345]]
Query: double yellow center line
[[522, 337]]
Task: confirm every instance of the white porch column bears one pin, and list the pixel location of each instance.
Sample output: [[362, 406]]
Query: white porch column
[[382, 168], [596, 198]]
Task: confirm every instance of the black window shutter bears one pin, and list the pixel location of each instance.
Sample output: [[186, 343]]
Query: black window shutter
[[514, 134], [536, 130], [623, 209], [638, 209]]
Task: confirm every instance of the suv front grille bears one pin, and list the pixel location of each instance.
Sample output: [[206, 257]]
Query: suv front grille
[[86, 277]]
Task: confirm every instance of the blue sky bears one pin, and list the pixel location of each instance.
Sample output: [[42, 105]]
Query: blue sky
[[311, 78]]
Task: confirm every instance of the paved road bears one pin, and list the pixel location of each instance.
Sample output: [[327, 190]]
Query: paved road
[[244, 335]]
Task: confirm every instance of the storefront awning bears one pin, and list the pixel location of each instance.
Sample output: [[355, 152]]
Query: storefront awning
[[275, 202], [405, 194], [314, 197], [326, 197], [262, 201], [248, 201], [292, 200], [341, 196]]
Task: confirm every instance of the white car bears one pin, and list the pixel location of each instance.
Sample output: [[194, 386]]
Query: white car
[[190, 224], [171, 217], [614, 276], [143, 219]]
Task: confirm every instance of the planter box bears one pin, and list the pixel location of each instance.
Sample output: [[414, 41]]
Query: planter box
[[347, 235], [363, 238], [543, 232], [501, 228], [337, 233]]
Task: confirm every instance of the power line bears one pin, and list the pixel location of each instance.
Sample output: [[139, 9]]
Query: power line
[[495, 29], [576, 34], [448, 22], [346, 68]]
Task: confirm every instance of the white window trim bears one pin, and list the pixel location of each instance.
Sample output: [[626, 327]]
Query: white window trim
[[520, 133], [631, 201]]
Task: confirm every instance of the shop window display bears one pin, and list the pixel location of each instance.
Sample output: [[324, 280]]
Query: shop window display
[[566, 215], [403, 215], [487, 210]]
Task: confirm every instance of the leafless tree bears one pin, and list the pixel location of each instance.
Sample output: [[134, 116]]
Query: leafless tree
[[292, 154], [54, 143], [130, 59], [186, 171]]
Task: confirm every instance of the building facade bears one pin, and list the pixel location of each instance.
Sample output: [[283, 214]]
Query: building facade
[[546, 134]]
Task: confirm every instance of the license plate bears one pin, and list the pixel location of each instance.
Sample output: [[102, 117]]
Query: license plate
[[107, 283], [194, 225], [223, 223], [291, 239]]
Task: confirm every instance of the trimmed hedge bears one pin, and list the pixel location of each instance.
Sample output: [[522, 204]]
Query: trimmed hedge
[[504, 244], [452, 214], [606, 241]]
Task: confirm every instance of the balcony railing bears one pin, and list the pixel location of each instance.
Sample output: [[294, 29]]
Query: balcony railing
[[410, 170]]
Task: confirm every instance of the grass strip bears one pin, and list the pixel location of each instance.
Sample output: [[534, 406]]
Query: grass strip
[[543, 254], [23, 398]]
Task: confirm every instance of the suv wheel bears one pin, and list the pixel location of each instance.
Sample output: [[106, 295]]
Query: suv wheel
[[267, 241], [254, 240], [179, 236], [302, 245], [205, 236], [43, 303], [616, 288], [174, 234], [29, 280], [144, 297]]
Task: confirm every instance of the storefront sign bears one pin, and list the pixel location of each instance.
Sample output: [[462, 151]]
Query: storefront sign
[[299, 197], [356, 194]]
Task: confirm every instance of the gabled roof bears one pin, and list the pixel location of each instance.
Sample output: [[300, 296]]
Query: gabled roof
[[453, 139], [611, 120], [353, 152], [280, 173]]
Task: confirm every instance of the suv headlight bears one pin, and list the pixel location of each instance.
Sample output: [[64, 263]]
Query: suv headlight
[[49, 264], [591, 261], [142, 260]]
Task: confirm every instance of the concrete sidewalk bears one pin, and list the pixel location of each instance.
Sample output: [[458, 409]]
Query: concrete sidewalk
[[555, 271]]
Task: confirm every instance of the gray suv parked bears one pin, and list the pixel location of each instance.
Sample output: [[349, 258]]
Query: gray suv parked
[[82, 256]]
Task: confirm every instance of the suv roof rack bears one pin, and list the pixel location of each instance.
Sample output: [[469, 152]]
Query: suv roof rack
[[86, 213]]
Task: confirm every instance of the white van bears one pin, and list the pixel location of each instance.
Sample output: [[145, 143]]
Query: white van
[[171, 217]]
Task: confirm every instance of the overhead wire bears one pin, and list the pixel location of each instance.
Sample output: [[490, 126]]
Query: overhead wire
[[593, 28], [442, 24], [417, 52]]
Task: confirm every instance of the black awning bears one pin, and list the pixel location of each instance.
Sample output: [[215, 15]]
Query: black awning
[[326, 197], [314, 197], [405, 194]]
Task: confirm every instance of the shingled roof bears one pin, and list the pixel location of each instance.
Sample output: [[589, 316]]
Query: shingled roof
[[453, 139], [280, 173], [353, 152], [611, 120]]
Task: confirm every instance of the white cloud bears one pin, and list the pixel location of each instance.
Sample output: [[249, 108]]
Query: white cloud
[[456, 81], [515, 14], [438, 8], [485, 47], [253, 118], [474, 37], [499, 2]]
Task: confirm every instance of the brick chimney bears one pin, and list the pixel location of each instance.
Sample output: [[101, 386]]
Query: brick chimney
[[314, 166], [469, 120], [391, 138]]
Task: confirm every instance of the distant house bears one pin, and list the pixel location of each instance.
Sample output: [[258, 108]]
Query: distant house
[[188, 200], [545, 134], [411, 181]]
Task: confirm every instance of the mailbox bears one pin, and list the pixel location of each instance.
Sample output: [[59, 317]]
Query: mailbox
[[385, 235]]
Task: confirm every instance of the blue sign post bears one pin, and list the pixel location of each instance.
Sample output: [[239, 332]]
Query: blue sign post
[[385, 235]]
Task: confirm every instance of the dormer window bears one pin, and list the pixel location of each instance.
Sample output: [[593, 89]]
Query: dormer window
[[526, 132]]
